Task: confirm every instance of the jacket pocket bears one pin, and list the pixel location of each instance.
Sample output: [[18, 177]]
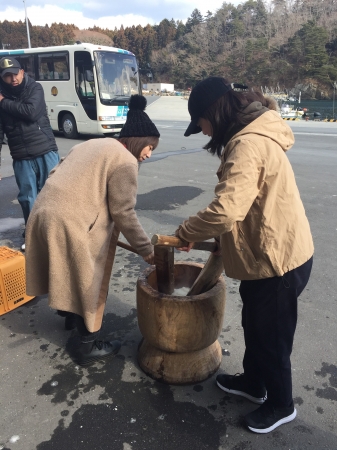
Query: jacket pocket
[[42, 131], [93, 224], [245, 248]]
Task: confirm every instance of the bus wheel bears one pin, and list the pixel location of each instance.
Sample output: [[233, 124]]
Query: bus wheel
[[69, 126]]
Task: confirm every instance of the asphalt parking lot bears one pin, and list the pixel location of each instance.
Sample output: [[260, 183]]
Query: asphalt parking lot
[[47, 402]]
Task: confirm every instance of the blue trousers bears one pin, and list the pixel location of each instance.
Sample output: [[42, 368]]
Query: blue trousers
[[269, 318], [31, 175]]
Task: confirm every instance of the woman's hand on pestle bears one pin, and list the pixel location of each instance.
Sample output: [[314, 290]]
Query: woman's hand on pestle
[[149, 258], [187, 248]]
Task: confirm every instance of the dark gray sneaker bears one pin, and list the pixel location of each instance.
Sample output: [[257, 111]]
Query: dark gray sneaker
[[95, 351], [267, 417], [237, 385]]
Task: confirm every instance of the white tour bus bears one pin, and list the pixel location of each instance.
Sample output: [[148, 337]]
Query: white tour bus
[[87, 87]]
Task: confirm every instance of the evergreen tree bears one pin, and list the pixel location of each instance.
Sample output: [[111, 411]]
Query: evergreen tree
[[181, 29], [196, 18], [307, 50]]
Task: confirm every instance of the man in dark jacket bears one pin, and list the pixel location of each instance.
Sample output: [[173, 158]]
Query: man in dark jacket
[[24, 120]]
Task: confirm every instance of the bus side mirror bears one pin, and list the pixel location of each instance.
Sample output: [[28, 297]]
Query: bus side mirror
[[89, 76]]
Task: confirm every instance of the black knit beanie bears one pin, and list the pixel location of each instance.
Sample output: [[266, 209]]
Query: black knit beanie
[[138, 123]]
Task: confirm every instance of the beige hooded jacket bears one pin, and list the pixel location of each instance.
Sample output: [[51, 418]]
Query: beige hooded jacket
[[257, 209], [73, 228]]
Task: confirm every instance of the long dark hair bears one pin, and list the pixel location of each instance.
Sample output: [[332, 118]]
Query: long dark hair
[[226, 118], [136, 144]]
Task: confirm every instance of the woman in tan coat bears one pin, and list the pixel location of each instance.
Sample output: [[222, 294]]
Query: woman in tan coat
[[265, 241], [74, 226]]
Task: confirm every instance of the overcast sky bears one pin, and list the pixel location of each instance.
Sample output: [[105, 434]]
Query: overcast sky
[[103, 13]]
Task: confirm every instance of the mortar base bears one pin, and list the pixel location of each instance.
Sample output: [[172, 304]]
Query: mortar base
[[179, 368]]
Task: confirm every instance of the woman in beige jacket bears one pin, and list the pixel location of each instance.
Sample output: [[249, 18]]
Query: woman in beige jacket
[[265, 241], [74, 226]]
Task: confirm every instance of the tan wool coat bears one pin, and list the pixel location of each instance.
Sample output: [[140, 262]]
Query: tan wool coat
[[257, 210], [73, 228]]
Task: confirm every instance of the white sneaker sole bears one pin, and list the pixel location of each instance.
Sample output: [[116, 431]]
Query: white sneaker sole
[[276, 424], [256, 400]]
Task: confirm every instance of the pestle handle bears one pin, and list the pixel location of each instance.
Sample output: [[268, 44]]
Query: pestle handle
[[173, 241], [127, 247], [208, 276]]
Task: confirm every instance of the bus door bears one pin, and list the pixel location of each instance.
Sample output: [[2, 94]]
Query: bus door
[[85, 86]]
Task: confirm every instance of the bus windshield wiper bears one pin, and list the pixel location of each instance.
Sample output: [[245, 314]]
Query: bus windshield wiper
[[120, 97]]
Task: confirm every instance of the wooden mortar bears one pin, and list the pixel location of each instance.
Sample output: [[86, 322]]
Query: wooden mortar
[[180, 334]]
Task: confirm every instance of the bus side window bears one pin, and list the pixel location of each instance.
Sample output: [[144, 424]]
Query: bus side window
[[53, 66], [44, 64], [27, 64], [61, 65]]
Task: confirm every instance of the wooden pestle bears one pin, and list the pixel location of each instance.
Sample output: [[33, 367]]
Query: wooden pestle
[[208, 276], [164, 262], [173, 241], [127, 247]]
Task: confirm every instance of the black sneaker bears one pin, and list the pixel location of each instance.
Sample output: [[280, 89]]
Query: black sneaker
[[95, 351], [237, 385], [267, 418]]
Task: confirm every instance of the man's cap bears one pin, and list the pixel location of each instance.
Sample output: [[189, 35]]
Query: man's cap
[[138, 123], [9, 65], [203, 95]]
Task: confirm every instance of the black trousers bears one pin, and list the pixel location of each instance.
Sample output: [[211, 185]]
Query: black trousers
[[86, 336], [269, 318]]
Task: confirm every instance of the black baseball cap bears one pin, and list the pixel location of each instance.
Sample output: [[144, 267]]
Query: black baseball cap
[[9, 65], [203, 95]]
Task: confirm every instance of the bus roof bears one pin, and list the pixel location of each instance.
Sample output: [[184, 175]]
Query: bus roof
[[80, 46]]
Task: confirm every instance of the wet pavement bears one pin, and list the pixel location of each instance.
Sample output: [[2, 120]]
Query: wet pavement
[[48, 402]]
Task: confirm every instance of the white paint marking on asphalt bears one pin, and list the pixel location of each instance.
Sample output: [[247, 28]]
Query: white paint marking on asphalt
[[172, 126]]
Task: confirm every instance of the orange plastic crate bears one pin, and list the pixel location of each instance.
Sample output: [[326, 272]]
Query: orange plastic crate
[[12, 280]]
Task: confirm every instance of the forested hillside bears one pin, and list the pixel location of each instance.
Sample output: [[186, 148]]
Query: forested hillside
[[277, 45]]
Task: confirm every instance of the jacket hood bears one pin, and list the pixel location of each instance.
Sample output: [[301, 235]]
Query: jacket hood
[[267, 123]]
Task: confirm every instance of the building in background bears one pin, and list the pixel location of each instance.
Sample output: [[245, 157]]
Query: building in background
[[159, 87]]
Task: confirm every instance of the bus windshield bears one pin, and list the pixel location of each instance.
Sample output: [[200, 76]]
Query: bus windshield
[[117, 76]]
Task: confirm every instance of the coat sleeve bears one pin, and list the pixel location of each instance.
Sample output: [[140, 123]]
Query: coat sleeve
[[122, 196], [29, 109], [239, 185]]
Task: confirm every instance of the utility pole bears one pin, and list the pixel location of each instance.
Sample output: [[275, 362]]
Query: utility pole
[[28, 36], [333, 99]]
